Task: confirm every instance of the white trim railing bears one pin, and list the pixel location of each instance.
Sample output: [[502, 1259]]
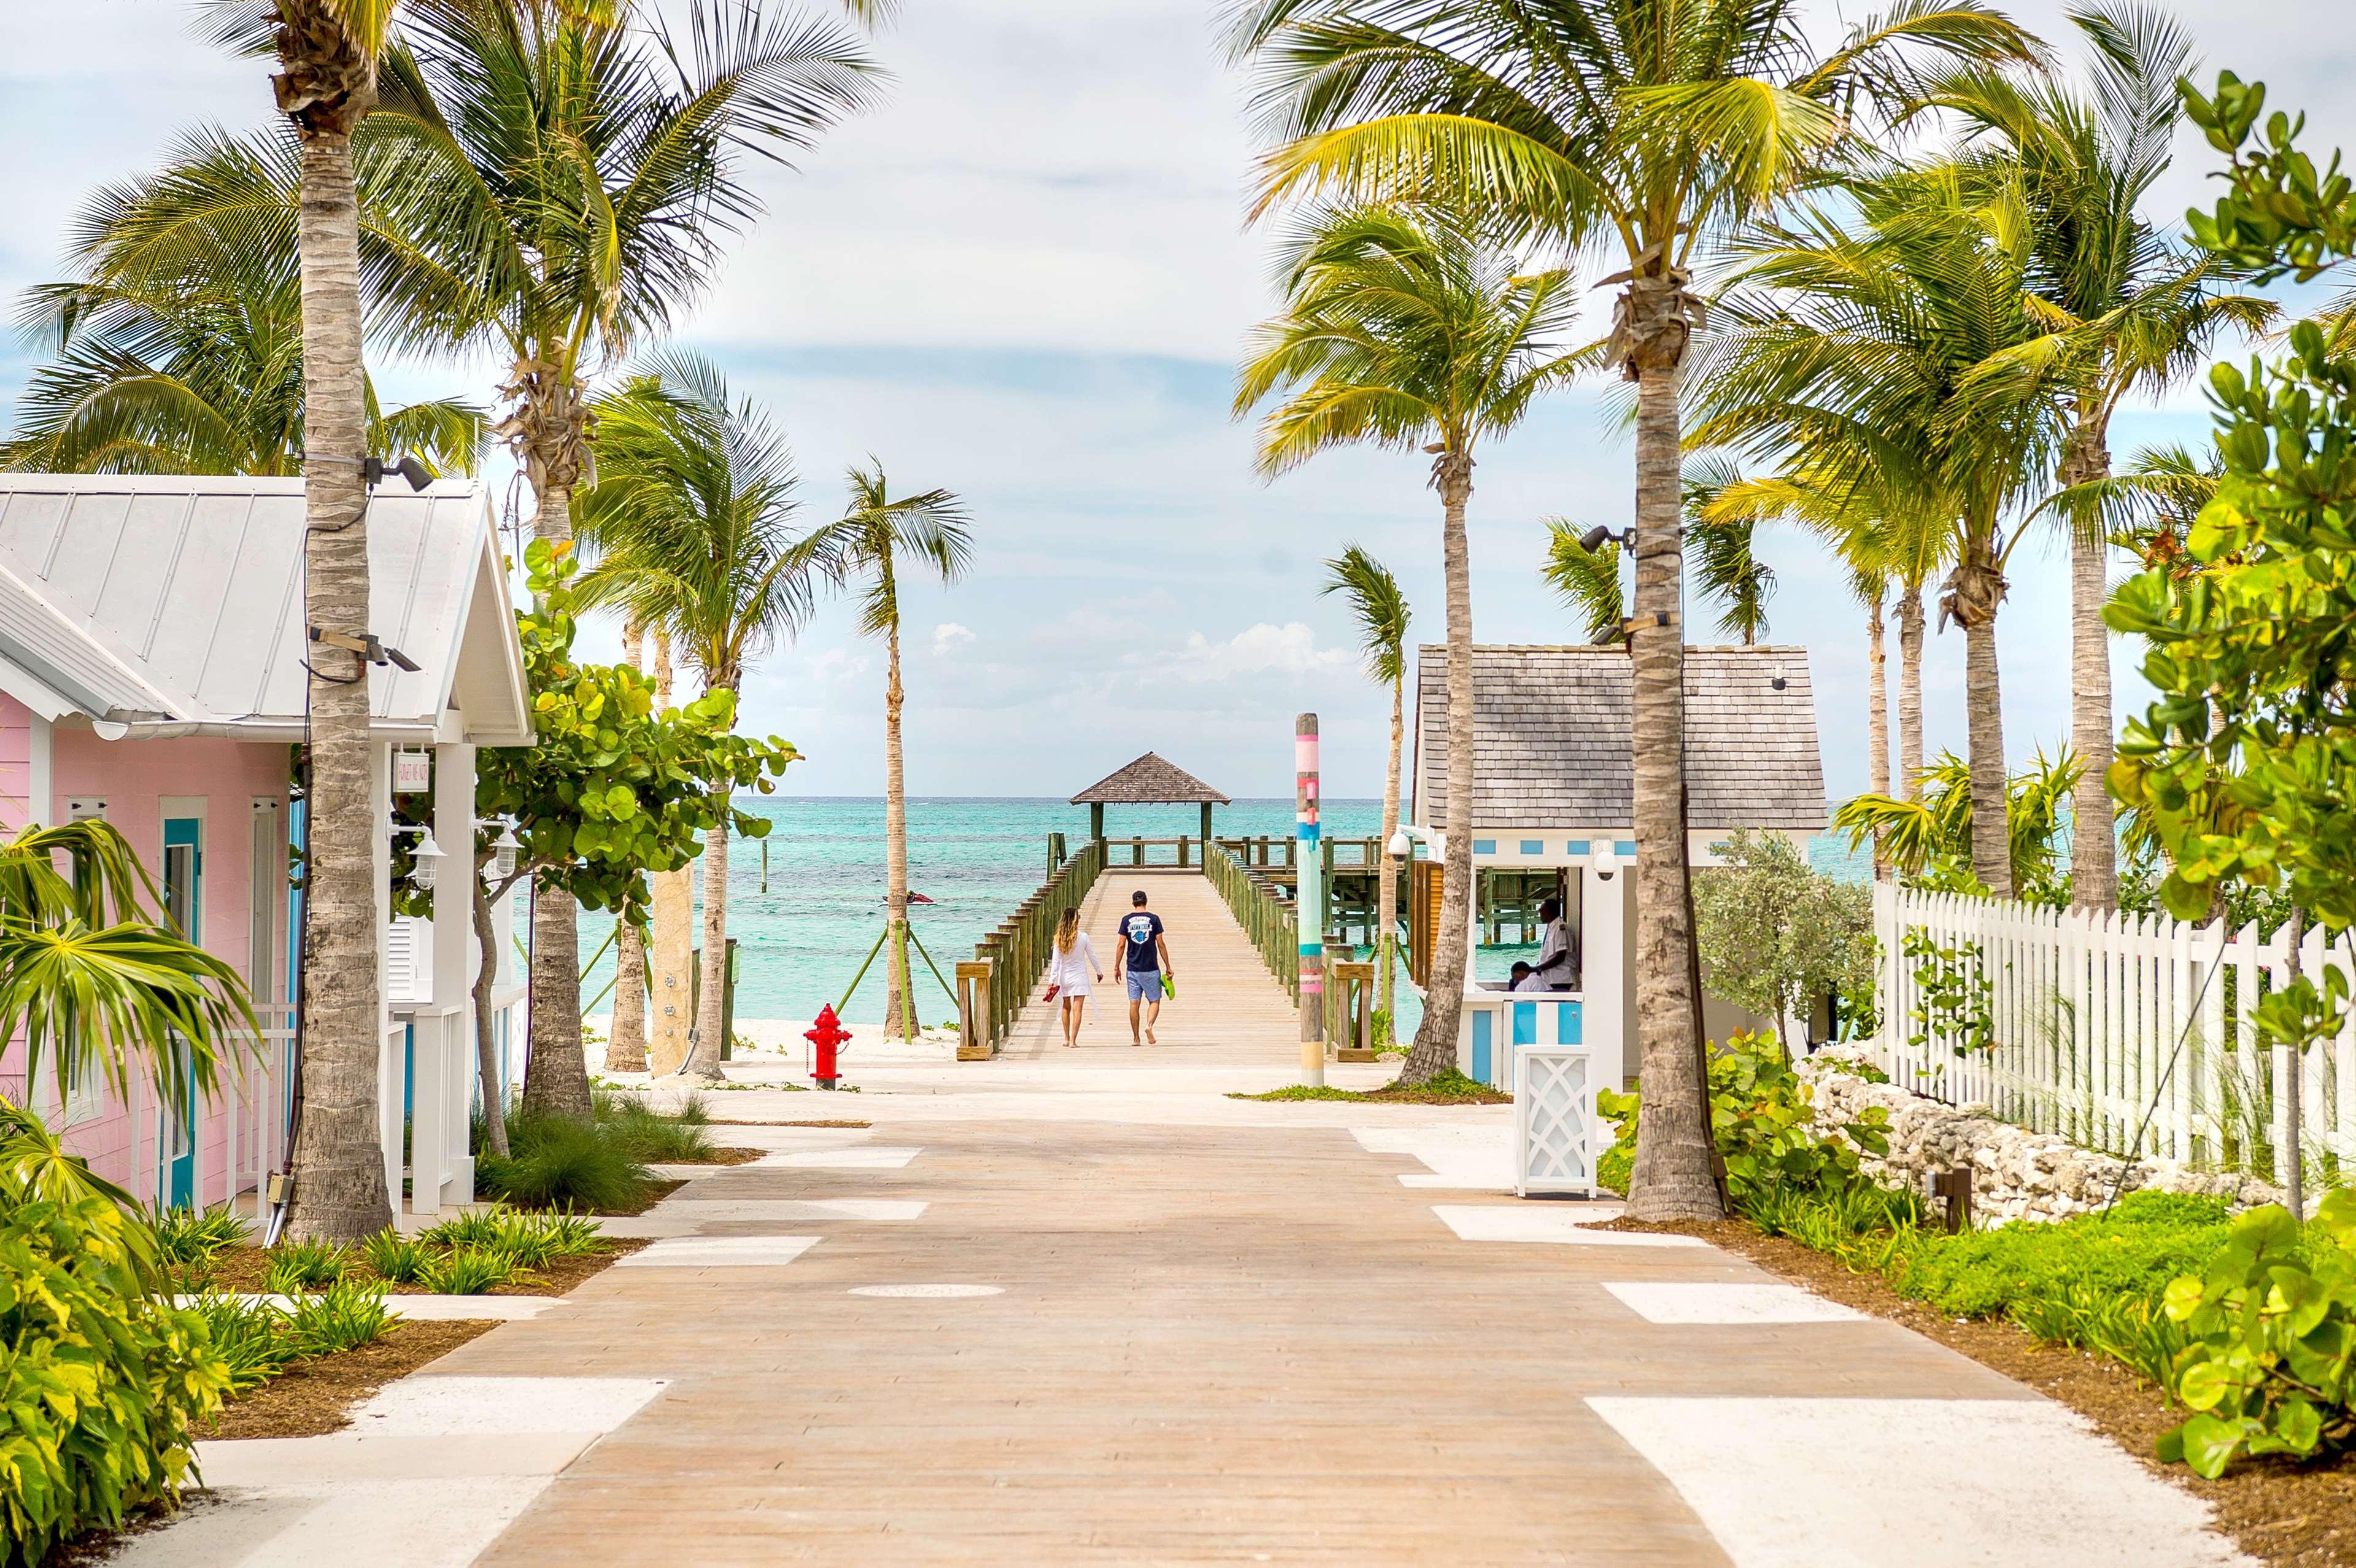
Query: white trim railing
[[2114, 1031]]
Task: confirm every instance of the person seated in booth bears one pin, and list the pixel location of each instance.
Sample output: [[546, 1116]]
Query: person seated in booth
[[1525, 978], [1557, 965]]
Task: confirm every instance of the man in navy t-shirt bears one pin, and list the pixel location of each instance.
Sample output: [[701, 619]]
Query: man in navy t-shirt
[[1145, 959]]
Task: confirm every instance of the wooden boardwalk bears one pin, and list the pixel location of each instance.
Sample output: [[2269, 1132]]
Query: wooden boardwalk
[[1229, 1011]]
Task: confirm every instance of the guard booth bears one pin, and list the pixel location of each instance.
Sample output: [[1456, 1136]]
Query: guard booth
[[1553, 814]]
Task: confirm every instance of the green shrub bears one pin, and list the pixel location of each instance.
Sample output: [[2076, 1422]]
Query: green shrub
[[101, 1376], [245, 1334], [569, 1235], [527, 1246], [468, 1271], [2271, 1363], [396, 1257], [298, 1266], [1760, 1113], [558, 1161], [2135, 1250], [186, 1236], [344, 1316]]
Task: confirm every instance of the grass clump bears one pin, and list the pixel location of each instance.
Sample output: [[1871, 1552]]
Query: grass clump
[[184, 1235], [2147, 1239], [468, 1271], [1448, 1088], [299, 1266], [394, 1257], [559, 1162], [637, 1128]]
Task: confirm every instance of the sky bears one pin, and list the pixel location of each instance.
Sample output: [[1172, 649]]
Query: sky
[[1026, 277]]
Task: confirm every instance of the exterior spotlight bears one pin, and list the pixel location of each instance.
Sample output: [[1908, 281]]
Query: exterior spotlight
[[1605, 860], [409, 467], [1596, 538]]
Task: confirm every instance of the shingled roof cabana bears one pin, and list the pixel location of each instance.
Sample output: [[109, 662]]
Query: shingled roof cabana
[[1554, 801], [1151, 780]]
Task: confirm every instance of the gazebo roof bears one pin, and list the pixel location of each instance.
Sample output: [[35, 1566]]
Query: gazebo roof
[[1151, 781]]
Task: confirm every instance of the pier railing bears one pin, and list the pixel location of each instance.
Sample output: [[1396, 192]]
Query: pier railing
[[992, 989], [1265, 915]]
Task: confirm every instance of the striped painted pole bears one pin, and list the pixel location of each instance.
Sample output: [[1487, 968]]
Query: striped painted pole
[[1309, 900]]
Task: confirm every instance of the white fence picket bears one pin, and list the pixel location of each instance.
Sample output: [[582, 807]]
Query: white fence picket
[[2119, 1031]]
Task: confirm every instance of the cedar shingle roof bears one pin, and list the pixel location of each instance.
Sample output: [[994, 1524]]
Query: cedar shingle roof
[[1151, 781], [1552, 733]]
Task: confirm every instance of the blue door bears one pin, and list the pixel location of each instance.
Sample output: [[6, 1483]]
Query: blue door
[[184, 870]]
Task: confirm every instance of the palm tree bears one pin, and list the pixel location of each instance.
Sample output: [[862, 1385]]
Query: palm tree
[[625, 1040], [692, 519], [1381, 611], [1859, 355], [1930, 840], [561, 186], [199, 370], [1642, 128], [866, 552], [1725, 566], [1402, 328], [2128, 310]]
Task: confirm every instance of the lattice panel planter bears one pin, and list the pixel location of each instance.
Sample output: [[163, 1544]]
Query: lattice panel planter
[[1553, 1120]]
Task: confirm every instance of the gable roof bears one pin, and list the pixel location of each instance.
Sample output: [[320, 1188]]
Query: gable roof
[[1151, 781], [174, 604], [1553, 728]]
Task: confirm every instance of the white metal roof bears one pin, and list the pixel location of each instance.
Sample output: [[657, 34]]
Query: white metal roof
[[175, 603]]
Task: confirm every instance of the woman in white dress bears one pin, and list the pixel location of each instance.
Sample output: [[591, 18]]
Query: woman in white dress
[[1075, 960]]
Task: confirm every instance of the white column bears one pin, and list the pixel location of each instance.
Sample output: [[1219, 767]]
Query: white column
[[455, 960], [390, 1081], [1604, 1001]]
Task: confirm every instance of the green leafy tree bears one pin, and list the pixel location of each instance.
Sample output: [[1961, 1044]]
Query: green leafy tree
[[868, 551], [1380, 608], [611, 790], [691, 518], [1775, 935], [1402, 328], [1643, 129], [2128, 310]]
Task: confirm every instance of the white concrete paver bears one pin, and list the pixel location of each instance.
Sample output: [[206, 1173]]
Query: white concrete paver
[[1847, 1482], [1666, 1301], [1550, 1224], [719, 1253]]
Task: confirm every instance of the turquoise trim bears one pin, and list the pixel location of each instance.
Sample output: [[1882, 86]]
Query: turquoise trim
[[1625, 849], [1484, 846], [1571, 1024], [1526, 1023], [1534, 846], [1481, 1047], [1575, 846]]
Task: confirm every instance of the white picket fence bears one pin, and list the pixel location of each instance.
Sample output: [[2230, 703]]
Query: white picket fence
[[2102, 1022]]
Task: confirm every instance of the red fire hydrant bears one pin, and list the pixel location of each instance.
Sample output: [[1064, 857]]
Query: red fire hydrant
[[827, 1035]]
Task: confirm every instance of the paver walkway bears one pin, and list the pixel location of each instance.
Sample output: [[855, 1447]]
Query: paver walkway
[[1261, 1345], [1229, 1011]]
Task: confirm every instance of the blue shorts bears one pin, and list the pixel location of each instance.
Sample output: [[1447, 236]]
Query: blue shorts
[[1144, 985]]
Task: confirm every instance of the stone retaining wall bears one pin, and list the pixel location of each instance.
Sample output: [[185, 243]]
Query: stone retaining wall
[[2016, 1173]]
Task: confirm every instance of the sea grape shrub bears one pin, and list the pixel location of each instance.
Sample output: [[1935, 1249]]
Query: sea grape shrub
[[1762, 1120], [2272, 1365], [1958, 1001]]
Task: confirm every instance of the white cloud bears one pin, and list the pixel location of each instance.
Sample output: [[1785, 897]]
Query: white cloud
[[1264, 649], [948, 637]]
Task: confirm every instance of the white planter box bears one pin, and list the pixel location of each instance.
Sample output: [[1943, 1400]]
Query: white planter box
[[1553, 1120]]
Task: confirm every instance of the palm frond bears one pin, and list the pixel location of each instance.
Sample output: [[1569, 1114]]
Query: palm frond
[[1379, 605]]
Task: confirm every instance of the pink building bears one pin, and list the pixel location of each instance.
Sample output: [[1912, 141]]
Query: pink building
[[152, 640]]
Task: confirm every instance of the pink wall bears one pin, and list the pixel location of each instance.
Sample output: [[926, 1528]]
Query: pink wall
[[133, 777]]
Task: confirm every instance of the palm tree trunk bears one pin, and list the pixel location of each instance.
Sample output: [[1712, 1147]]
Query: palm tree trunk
[[900, 1003], [1991, 843], [674, 928], [1974, 591], [486, 1048], [704, 1054], [337, 1158], [2094, 843], [556, 1075], [1387, 897], [1877, 716], [1672, 1176], [625, 1041], [1910, 690], [1443, 999]]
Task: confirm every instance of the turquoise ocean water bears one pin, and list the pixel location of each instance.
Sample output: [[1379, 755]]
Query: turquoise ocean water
[[802, 939]]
